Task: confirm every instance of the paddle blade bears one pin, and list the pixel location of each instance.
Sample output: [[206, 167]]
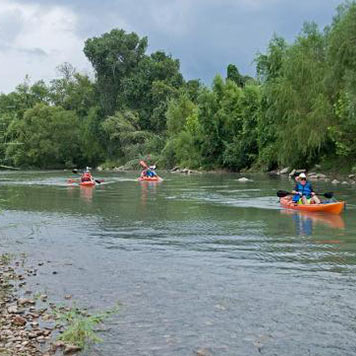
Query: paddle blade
[[283, 193], [99, 181], [143, 164]]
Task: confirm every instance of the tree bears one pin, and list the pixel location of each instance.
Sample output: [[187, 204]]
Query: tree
[[127, 140], [147, 91], [114, 56], [46, 137]]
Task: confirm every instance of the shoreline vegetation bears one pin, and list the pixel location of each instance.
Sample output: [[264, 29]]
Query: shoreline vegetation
[[299, 110], [31, 325]]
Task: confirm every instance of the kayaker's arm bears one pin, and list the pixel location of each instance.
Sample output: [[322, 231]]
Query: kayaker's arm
[[295, 191]]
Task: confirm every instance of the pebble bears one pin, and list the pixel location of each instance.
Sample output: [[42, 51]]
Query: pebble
[[19, 320]]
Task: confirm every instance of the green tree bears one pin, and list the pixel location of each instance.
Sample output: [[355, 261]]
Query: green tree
[[127, 140], [46, 137], [114, 56]]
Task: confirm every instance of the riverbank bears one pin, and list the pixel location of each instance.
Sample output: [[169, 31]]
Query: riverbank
[[30, 324]]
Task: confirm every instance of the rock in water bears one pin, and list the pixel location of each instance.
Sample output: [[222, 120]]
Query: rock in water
[[244, 180]]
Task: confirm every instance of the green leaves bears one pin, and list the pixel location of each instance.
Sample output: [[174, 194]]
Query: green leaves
[[45, 137]]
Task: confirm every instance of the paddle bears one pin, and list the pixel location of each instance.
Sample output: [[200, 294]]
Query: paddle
[[143, 164], [75, 171], [283, 193], [72, 180]]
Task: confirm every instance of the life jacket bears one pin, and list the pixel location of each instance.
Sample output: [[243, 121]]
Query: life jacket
[[306, 191], [86, 177]]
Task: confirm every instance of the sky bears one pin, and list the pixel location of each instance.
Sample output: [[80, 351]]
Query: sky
[[36, 36]]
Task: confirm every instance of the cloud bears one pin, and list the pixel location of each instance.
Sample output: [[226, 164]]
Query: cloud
[[206, 35], [34, 40]]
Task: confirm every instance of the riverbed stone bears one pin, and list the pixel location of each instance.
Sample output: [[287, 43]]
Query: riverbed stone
[[335, 181], [12, 309], [19, 320], [71, 349], [25, 301]]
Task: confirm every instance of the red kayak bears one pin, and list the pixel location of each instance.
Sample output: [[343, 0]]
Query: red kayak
[[89, 183], [332, 208], [150, 179]]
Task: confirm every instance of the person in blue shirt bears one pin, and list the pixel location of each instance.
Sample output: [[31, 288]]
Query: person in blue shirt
[[303, 191]]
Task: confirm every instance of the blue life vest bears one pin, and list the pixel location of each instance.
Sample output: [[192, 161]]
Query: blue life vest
[[306, 191], [150, 173]]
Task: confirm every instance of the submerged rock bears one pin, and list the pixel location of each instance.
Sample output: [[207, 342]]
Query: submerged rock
[[203, 352]]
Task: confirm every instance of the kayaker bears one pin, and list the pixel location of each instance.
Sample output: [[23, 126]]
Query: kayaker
[[149, 172], [303, 191], [86, 176]]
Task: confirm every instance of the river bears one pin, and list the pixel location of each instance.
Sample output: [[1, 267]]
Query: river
[[197, 262]]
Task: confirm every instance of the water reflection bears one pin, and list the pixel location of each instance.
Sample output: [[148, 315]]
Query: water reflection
[[86, 193], [147, 187], [304, 221]]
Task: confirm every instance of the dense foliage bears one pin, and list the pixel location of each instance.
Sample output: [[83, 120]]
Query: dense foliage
[[298, 111]]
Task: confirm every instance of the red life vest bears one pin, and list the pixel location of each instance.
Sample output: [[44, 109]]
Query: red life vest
[[86, 177]]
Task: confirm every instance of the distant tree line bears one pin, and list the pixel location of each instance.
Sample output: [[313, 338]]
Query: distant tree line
[[298, 111]]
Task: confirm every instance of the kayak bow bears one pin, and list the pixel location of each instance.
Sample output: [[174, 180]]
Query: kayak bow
[[89, 183]]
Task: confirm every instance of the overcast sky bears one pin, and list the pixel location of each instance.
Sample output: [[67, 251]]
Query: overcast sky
[[206, 35]]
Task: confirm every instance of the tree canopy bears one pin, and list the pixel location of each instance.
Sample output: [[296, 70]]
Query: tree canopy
[[299, 110]]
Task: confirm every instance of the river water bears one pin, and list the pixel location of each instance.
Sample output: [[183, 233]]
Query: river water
[[197, 262]]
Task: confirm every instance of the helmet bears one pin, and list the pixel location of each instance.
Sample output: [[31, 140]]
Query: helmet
[[302, 175]]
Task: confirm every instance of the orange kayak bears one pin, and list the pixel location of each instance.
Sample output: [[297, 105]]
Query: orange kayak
[[89, 183], [150, 179], [332, 208]]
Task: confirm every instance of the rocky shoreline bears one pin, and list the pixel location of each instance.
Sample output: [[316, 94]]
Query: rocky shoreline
[[315, 176], [28, 326]]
